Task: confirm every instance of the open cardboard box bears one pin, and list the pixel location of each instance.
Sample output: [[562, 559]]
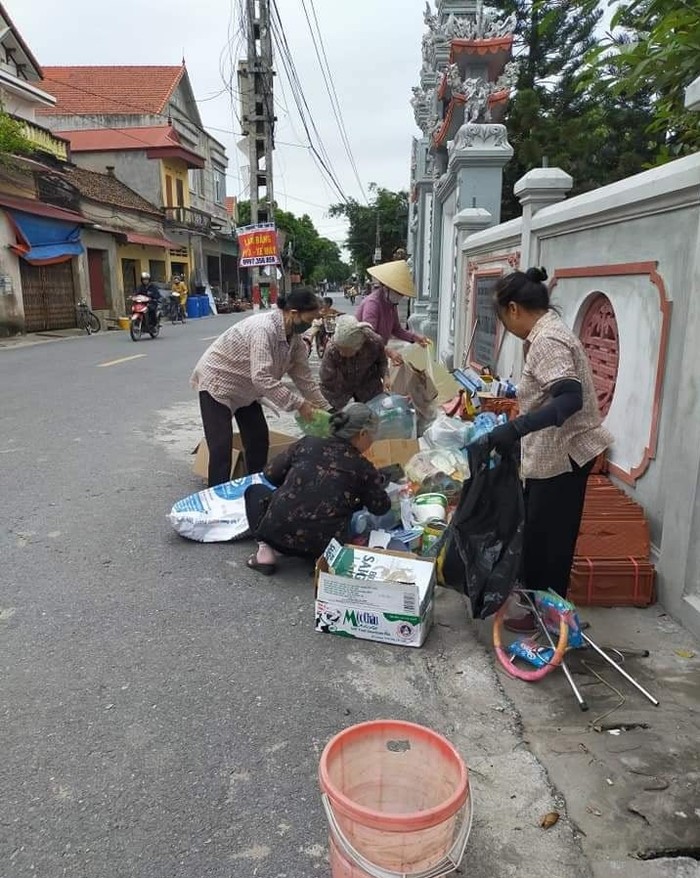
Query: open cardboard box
[[385, 452], [279, 442], [374, 594]]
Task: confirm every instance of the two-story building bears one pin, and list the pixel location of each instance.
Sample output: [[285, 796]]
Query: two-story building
[[144, 124], [39, 238]]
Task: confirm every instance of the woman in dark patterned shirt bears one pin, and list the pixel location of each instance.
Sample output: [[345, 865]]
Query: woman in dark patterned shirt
[[354, 364], [320, 484]]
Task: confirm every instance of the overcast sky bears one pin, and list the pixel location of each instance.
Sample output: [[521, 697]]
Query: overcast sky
[[373, 48]]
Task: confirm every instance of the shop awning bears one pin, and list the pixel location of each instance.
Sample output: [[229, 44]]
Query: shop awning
[[42, 240], [148, 241]]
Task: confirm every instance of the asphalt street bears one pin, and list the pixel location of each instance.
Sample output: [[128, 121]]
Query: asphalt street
[[164, 708]]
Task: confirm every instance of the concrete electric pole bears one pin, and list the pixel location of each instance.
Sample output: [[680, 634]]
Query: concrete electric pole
[[256, 84]]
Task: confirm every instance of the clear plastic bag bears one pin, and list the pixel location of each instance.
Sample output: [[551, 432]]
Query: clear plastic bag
[[438, 469], [447, 432]]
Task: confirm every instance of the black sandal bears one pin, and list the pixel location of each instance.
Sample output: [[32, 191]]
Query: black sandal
[[265, 569]]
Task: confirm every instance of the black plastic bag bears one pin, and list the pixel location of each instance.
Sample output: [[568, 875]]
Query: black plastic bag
[[481, 551]]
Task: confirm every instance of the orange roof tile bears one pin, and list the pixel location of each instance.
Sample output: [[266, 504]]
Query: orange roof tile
[[122, 91], [108, 139]]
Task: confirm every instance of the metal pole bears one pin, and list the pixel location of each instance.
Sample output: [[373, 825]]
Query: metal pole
[[620, 669], [567, 673]]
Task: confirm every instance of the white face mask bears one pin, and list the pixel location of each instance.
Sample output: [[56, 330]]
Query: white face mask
[[394, 298]]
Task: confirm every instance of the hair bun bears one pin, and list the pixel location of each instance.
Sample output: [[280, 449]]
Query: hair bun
[[339, 420], [539, 275]]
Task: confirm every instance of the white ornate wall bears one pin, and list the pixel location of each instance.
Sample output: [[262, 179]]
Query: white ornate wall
[[638, 242]]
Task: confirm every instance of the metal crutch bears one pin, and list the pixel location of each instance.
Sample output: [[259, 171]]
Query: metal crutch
[[582, 703], [619, 669]]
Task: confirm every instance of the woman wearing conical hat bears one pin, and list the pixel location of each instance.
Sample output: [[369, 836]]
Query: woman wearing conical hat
[[392, 282]]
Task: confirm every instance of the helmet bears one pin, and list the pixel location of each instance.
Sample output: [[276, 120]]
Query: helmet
[[145, 275]]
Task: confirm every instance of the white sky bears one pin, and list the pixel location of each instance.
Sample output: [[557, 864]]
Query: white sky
[[373, 47]]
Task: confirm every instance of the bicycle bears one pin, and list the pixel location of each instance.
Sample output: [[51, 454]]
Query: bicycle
[[87, 320]]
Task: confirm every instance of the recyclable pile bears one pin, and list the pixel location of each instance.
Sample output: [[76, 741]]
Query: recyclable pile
[[425, 475], [381, 585]]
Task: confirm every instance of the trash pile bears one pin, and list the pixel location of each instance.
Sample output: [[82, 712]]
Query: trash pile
[[381, 585]]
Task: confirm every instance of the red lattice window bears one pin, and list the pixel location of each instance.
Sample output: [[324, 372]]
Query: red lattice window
[[600, 337]]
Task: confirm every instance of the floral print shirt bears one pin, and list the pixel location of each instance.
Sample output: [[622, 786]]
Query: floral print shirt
[[320, 484]]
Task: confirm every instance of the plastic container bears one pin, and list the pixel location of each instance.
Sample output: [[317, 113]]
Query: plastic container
[[397, 800], [429, 507], [192, 307], [204, 306], [397, 419], [627, 582]]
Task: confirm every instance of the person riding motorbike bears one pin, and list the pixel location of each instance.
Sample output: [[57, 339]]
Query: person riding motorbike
[[148, 288]]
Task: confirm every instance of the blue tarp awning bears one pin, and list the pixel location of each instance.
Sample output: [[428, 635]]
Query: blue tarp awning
[[43, 240]]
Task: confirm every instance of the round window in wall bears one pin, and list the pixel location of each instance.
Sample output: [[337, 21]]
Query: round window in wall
[[600, 338]]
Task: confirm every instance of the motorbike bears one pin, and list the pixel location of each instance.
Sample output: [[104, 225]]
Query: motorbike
[[324, 335], [141, 320]]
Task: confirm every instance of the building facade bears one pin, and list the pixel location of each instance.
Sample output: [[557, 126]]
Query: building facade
[[143, 123]]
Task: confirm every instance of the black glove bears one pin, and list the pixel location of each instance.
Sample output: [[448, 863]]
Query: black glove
[[502, 439]]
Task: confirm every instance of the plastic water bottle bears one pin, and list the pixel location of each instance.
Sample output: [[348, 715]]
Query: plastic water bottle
[[360, 523]]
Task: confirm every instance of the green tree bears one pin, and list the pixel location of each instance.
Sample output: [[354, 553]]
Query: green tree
[[654, 51], [391, 209], [578, 125]]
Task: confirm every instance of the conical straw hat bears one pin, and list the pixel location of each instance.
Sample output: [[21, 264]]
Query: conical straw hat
[[396, 276]]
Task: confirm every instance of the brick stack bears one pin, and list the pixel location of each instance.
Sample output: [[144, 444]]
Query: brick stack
[[611, 567]]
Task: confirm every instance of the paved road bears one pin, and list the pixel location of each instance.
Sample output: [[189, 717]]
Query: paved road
[[163, 708]]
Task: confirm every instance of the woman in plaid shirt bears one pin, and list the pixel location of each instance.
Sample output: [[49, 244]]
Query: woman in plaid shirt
[[246, 364], [560, 431]]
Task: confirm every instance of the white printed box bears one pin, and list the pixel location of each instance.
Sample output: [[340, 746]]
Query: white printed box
[[374, 595]]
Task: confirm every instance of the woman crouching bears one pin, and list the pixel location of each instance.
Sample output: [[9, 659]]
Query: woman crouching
[[320, 484]]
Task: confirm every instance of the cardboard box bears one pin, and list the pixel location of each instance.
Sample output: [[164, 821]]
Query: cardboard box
[[278, 443], [386, 452], [374, 595]]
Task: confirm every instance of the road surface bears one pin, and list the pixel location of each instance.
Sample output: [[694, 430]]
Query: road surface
[[164, 708]]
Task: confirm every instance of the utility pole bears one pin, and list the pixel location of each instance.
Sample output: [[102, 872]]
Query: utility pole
[[256, 84]]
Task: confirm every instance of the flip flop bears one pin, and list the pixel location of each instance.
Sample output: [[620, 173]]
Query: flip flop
[[265, 569]]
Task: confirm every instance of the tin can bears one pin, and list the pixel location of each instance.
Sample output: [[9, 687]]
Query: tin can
[[432, 533]]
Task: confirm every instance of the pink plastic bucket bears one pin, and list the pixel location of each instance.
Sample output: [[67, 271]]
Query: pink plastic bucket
[[397, 800]]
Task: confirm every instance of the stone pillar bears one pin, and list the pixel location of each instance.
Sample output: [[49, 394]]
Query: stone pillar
[[467, 222], [539, 188]]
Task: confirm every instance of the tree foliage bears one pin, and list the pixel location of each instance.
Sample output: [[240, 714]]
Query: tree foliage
[[654, 51], [305, 252], [593, 133], [391, 209]]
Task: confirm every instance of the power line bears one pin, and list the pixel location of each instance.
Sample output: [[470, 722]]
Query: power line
[[316, 145], [327, 75]]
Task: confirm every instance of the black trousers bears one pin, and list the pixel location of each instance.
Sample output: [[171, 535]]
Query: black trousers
[[553, 511], [218, 431]]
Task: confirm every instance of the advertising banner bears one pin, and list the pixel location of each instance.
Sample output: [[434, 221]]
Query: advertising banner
[[258, 245]]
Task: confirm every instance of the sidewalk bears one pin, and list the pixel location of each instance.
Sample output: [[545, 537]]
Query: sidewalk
[[628, 771], [34, 338]]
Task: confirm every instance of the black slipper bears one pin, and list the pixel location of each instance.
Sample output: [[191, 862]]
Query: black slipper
[[265, 569]]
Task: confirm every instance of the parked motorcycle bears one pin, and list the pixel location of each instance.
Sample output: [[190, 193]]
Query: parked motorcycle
[[141, 318]]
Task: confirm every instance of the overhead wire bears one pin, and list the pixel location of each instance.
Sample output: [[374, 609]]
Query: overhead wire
[[327, 75], [317, 147]]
